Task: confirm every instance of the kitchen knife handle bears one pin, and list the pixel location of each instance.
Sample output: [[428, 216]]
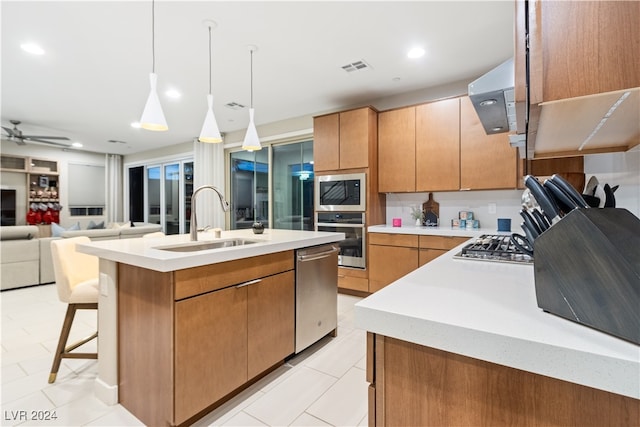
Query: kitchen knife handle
[[563, 200], [569, 189], [546, 203]]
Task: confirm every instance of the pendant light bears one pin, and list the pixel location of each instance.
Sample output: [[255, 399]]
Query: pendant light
[[251, 140], [152, 116], [210, 131]]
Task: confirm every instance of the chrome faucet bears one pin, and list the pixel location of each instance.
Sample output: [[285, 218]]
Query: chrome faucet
[[194, 222]]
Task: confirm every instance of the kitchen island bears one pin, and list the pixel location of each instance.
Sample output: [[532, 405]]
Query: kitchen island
[[463, 342], [181, 329]]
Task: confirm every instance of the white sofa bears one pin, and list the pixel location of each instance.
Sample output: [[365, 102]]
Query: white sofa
[[25, 257]]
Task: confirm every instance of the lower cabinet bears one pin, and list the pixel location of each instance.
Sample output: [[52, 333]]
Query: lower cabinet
[[225, 338], [392, 256], [189, 338], [415, 385], [431, 247]]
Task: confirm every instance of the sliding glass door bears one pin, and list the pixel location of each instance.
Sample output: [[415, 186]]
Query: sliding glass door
[[249, 188], [169, 188], [293, 186]]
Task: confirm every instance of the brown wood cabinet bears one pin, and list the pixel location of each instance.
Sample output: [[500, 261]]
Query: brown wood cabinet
[[438, 146], [391, 256], [414, 385], [344, 140], [431, 247], [191, 337], [486, 161], [397, 150], [582, 57]]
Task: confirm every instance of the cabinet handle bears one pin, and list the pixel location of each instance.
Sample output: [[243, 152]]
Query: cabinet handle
[[250, 282], [465, 189]]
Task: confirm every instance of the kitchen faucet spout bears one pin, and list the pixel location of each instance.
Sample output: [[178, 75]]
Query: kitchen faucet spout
[[194, 221]]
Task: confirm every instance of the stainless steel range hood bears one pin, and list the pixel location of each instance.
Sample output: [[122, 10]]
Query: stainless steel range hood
[[492, 96]]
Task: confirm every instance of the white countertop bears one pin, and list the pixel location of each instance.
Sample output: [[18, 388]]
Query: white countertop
[[143, 252], [488, 311], [432, 231]]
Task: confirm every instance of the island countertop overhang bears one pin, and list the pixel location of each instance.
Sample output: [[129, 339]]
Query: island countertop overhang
[[488, 311], [144, 252]]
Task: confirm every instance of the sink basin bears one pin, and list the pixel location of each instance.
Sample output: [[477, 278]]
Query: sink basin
[[203, 246]]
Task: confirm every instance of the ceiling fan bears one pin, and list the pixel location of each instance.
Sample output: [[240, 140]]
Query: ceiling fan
[[16, 136]]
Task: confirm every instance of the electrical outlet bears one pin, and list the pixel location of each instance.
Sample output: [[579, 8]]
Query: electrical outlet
[[492, 208]]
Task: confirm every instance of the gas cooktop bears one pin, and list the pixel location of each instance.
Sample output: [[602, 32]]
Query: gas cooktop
[[493, 247]]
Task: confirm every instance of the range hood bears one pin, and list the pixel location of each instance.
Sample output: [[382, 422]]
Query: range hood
[[492, 96]]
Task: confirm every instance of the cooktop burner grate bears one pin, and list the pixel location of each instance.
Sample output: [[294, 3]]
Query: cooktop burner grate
[[493, 247]]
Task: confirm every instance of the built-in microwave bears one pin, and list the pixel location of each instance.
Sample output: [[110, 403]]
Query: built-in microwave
[[346, 192]]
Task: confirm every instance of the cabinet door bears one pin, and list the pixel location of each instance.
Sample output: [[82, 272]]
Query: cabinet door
[[428, 255], [271, 321], [486, 161], [354, 139], [210, 349], [326, 142], [389, 263], [397, 150], [438, 146]]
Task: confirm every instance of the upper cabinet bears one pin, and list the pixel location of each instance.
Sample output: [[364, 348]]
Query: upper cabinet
[[584, 68], [345, 140], [442, 146], [486, 161], [397, 150], [438, 146]]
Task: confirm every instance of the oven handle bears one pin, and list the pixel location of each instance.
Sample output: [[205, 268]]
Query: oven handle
[[328, 224]]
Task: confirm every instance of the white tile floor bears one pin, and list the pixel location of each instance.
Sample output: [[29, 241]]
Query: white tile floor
[[322, 386]]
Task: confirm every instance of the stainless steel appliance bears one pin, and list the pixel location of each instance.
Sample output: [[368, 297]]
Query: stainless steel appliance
[[494, 247], [353, 247], [316, 294], [345, 192]]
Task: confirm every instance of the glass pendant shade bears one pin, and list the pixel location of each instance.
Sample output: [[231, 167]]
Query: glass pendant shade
[[152, 116], [251, 140], [210, 131]]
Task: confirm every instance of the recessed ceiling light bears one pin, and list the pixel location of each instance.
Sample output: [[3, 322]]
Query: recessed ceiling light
[[76, 144], [395, 79], [416, 52], [172, 93], [32, 48]]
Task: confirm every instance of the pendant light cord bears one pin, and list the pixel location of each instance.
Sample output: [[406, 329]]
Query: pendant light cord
[[251, 78], [153, 37], [209, 59]]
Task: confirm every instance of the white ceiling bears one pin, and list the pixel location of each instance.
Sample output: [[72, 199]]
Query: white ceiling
[[93, 80]]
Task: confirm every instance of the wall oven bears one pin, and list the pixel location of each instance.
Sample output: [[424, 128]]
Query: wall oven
[[341, 193], [352, 248]]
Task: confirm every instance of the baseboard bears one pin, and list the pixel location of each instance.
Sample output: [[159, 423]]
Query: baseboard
[[107, 394]]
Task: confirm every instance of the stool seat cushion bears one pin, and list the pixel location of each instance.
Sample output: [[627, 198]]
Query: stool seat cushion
[[85, 292]]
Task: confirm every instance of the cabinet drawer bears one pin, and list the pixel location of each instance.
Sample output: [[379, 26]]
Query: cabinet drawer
[[199, 280], [441, 242], [353, 283], [406, 240], [428, 255]]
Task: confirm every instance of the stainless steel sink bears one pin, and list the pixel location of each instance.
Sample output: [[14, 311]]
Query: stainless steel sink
[[203, 246]]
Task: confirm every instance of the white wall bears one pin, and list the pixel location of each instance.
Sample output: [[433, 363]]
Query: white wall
[[507, 203], [621, 169], [64, 158]]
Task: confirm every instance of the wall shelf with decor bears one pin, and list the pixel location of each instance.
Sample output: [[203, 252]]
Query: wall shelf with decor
[[41, 179]]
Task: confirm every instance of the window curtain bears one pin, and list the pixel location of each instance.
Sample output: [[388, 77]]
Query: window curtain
[[114, 190], [208, 169]]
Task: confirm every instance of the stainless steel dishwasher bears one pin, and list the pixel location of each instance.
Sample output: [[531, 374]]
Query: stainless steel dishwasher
[[316, 294]]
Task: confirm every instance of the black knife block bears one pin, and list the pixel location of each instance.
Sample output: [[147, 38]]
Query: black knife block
[[587, 269]]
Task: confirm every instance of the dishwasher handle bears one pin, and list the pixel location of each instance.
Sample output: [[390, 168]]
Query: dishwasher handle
[[319, 255]]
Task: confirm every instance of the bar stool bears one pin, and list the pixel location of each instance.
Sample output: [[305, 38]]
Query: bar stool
[[76, 277]]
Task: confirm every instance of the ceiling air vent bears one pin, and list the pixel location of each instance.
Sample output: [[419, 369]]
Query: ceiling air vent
[[234, 106], [356, 66]]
